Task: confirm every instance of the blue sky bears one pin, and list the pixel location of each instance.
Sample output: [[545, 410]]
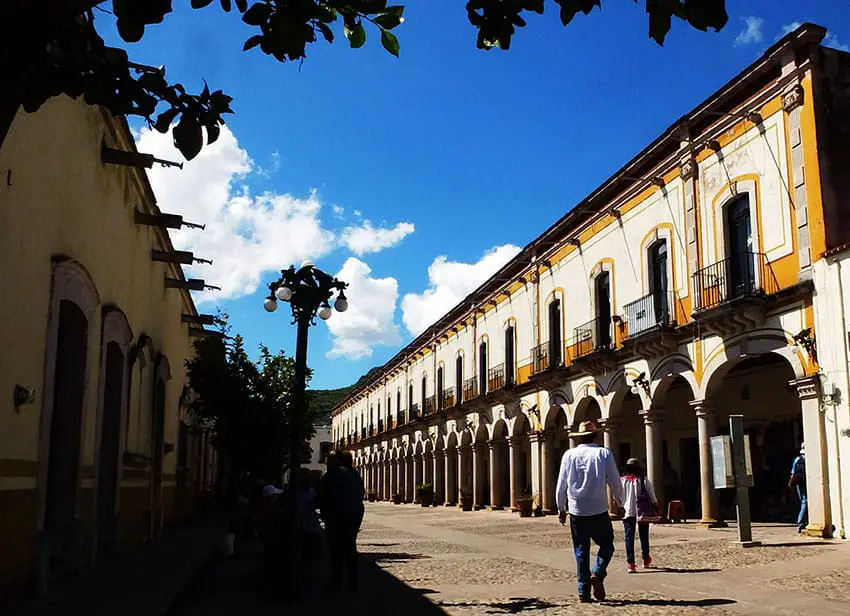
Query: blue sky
[[448, 151]]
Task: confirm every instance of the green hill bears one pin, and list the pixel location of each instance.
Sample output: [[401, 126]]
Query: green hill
[[322, 401]]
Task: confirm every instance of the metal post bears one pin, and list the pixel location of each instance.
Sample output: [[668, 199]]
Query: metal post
[[742, 491]]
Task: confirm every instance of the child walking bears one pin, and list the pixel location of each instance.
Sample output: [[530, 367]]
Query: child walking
[[641, 507]]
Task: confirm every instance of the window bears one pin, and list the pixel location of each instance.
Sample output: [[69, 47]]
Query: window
[[555, 343], [602, 295], [410, 399], [658, 282], [482, 368], [398, 400], [440, 387], [459, 377], [739, 235], [509, 355], [424, 390]]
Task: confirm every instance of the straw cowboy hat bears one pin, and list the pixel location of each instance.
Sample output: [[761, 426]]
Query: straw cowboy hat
[[634, 462], [803, 448], [586, 428]]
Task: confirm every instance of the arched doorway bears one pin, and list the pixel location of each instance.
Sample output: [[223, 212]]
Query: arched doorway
[[481, 462], [758, 388], [521, 459], [69, 385], [587, 409], [631, 436], [161, 378], [556, 444], [465, 473]]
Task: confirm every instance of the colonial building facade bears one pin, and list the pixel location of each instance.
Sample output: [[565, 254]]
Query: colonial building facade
[[676, 294], [96, 451]]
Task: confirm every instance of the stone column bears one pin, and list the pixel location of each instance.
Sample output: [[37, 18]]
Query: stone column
[[479, 459], [515, 445], [610, 440], [412, 471], [550, 468], [439, 477], [536, 443], [817, 470], [655, 453], [389, 479], [706, 428], [401, 479], [495, 473], [461, 475]]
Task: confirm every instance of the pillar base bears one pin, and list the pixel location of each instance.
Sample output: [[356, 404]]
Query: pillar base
[[495, 508], [450, 505], [818, 531], [708, 523], [749, 544], [477, 507], [550, 512]]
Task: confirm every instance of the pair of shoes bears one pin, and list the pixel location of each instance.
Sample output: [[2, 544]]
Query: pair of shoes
[[598, 587], [647, 563], [585, 599], [631, 569]]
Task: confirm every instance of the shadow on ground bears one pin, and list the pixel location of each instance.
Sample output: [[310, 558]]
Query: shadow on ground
[[681, 570], [514, 605], [671, 602], [227, 586]]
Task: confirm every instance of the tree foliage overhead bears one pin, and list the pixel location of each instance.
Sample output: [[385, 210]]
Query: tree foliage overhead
[[247, 405], [52, 47]]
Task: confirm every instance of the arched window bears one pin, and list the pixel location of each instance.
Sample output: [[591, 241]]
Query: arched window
[[459, 378], [482, 368], [602, 297], [555, 339], [440, 387], [658, 283], [510, 353]]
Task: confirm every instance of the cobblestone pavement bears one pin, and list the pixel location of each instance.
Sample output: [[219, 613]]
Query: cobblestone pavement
[[496, 563]]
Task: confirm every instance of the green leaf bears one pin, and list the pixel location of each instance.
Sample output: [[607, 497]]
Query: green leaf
[[356, 35], [388, 21], [398, 11], [130, 30], [242, 5], [199, 4], [326, 32], [226, 5], [390, 42], [163, 122], [252, 42], [188, 137], [213, 131], [257, 14], [660, 22]]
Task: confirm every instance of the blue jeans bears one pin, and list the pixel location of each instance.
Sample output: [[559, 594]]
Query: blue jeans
[[629, 525], [803, 517], [584, 529]]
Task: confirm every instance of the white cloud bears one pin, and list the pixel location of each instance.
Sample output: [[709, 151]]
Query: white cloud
[[271, 169], [448, 283], [789, 28], [832, 41], [366, 238], [752, 31], [369, 319], [246, 235], [338, 211]]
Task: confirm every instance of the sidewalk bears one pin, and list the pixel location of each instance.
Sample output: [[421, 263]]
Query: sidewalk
[[141, 583]]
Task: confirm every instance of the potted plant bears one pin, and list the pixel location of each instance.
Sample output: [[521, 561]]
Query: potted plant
[[397, 499], [466, 500], [538, 506], [425, 493], [525, 504]]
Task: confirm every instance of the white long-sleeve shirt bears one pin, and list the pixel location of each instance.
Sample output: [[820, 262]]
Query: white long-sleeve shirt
[[586, 472], [631, 488]]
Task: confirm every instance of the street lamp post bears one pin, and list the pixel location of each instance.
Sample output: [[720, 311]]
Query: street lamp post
[[308, 291]]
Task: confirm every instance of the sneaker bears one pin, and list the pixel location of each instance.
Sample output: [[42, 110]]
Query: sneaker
[[631, 569], [585, 599], [647, 563], [598, 587]]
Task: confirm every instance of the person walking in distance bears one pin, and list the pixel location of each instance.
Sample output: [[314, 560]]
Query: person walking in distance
[[641, 507], [798, 482], [587, 470], [341, 501]]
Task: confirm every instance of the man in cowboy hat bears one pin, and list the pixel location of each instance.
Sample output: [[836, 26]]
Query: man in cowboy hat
[[798, 482], [586, 472]]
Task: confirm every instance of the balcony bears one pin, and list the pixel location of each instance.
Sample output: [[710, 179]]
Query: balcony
[[592, 345], [389, 423], [430, 405], [415, 413], [470, 389], [448, 398], [380, 426], [649, 325], [730, 296], [496, 378], [540, 358], [402, 417]]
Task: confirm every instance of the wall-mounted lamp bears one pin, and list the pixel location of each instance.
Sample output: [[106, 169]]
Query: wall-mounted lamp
[[641, 381], [574, 241], [23, 395], [713, 145], [534, 411]]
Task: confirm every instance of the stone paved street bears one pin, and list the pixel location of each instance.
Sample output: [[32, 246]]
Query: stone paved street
[[441, 561]]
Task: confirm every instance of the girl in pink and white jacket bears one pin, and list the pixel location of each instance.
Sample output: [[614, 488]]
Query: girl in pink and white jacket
[[641, 507]]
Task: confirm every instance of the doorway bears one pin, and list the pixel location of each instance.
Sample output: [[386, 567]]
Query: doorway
[[65, 435], [658, 282], [602, 288], [740, 251], [110, 442]]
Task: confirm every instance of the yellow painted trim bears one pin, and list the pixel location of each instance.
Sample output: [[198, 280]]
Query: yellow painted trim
[[644, 248], [746, 177], [811, 162]]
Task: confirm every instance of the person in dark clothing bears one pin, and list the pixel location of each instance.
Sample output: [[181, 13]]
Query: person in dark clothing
[[798, 482], [341, 502]]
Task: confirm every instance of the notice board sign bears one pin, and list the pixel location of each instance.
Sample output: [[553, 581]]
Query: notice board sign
[[723, 467]]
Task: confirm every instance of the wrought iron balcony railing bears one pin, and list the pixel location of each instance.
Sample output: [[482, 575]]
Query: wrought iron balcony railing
[[540, 358], [429, 405], [380, 426], [415, 413], [649, 311], [593, 336], [744, 275], [496, 378], [470, 389], [402, 417], [448, 397]]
